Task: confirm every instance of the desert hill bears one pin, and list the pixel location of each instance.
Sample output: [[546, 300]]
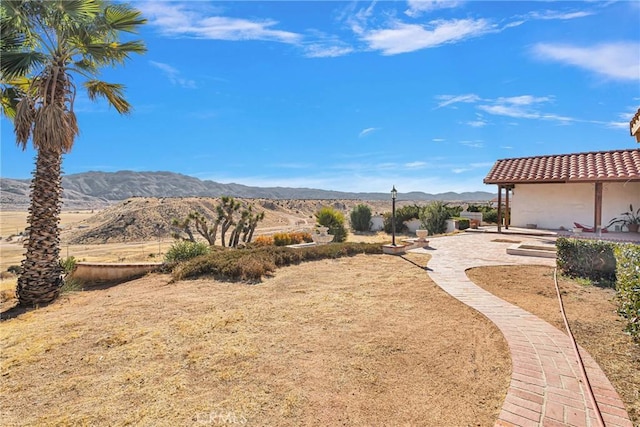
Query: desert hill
[[145, 218], [92, 190]]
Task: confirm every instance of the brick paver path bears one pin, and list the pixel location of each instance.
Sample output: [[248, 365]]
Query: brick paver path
[[546, 385]]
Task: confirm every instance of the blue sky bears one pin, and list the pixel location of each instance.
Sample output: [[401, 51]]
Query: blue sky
[[360, 96]]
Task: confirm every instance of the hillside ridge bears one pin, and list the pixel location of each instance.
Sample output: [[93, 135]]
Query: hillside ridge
[[98, 189]]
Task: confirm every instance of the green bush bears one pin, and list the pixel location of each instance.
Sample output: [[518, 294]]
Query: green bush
[[628, 286], [589, 259], [361, 218], [252, 264], [463, 223], [434, 217], [334, 220], [403, 214], [490, 216], [68, 264], [185, 250]]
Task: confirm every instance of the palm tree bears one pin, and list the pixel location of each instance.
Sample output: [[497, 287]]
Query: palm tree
[[50, 43]]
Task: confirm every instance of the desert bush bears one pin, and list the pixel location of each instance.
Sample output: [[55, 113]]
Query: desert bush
[[628, 286], [589, 259], [463, 223], [253, 264], [434, 217], [185, 250], [68, 264], [403, 214], [263, 241], [490, 216], [334, 220], [361, 218], [284, 239]]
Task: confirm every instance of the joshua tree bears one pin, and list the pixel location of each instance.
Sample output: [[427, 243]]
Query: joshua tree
[[201, 224], [50, 42]]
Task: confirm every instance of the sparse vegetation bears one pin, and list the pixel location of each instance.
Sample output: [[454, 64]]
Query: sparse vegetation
[[252, 264]]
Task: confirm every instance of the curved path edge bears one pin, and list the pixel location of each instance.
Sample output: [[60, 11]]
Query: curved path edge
[[546, 385]]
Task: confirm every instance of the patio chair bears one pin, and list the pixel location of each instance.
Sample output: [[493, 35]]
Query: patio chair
[[588, 229]]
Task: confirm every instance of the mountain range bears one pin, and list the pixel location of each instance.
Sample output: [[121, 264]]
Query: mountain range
[[98, 189]]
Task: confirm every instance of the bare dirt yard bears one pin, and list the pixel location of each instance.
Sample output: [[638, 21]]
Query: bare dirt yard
[[368, 340], [591, 312]]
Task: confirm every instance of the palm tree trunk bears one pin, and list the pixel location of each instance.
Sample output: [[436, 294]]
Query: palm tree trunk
[[41, 276]]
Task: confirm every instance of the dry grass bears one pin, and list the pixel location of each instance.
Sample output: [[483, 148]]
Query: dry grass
[[592, 317], [368, 340]]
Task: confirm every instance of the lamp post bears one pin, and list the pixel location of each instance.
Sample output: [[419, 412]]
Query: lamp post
[[394, 195]]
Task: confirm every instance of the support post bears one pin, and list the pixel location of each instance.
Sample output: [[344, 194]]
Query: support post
[[499, 209], [506, 208], [597, 211]]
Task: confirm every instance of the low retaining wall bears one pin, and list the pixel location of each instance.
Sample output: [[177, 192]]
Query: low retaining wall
[[93, 272]]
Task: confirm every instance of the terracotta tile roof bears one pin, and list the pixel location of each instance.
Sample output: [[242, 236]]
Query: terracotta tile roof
[[634, 126], [618, 165]]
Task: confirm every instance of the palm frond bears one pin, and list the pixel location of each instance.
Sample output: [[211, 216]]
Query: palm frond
[[77, 10], [18, 64], [121, 17], [10, 98], [113, 53], [112, 92]]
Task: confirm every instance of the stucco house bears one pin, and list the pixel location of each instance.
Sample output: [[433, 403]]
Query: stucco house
[[556, 191]]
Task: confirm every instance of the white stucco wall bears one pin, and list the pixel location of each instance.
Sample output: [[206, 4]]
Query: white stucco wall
[[552, 206]]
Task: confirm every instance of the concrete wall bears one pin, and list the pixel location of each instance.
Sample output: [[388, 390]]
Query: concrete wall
[[90, 272], [552, 206], [377, 223]]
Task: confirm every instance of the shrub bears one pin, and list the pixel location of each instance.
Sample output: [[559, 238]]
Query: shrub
[[490, 216], [284, 239], [185, 250], [403, 214], [628, 286], [68, 264], [334, 220], [463, 223], [590, 259], [263, 241], [252, 264], [361, 218], [434, 217]]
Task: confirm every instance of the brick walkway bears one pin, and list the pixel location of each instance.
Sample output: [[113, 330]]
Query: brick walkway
[[546, 386]]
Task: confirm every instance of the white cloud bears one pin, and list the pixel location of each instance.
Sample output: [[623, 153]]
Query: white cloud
[[438, 139], [472, 144], [194, 20], [415, 165], [418, 7], [367, 131], [403, 38], [460, 170], [557, 15], [317, 50], [614, 60], [446, 100], [174, 75]]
